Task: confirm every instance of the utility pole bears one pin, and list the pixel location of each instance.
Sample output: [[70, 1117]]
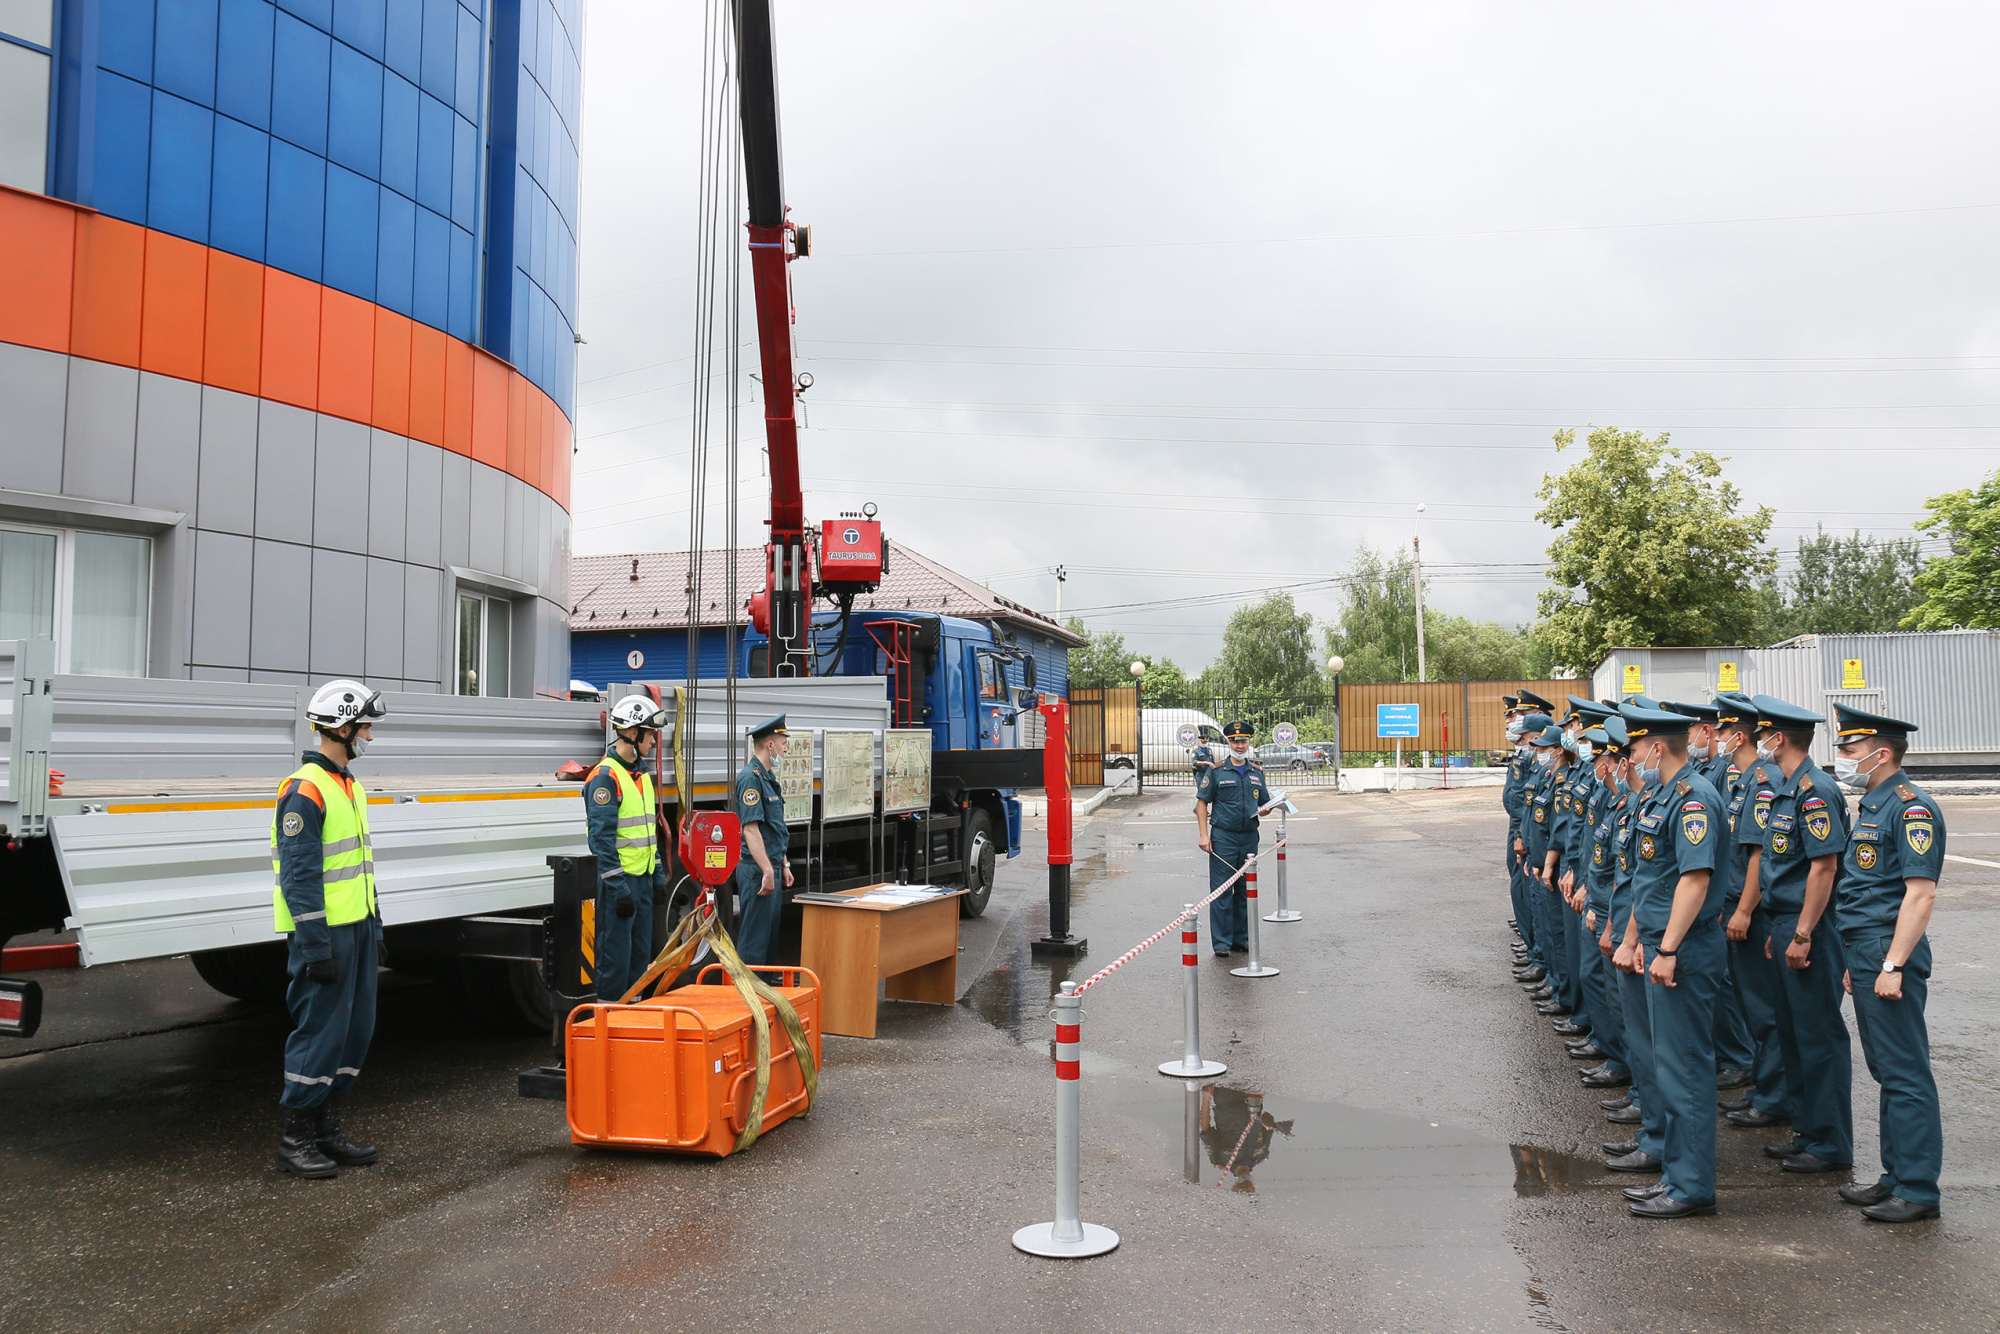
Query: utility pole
[[1417, 549], [1061, 574]]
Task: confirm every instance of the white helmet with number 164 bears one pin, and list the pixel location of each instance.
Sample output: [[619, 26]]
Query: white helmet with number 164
[[638, 711]]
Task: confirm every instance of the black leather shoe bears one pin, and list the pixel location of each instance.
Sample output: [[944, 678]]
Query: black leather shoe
[[1753, 1118], [1510, 921], [1734, 1079], [1873, 1193], [1741, 1104], [1552, 1008], [298, 1146], [1896, 1209], [1589, 1051], [334, 1143], [1615, 1104], [1543, 992], [1628, 1115], [1535, 974], [1600, 1078], [1569, 1028], [1644, 1192], [1666, 1206], [1791, 1146], [1634, 1161], [1619, 1148], [1806, 1162]]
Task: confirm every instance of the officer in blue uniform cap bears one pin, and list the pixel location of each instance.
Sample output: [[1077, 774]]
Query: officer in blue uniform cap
[[1753, 971], [1568, 844], [1888, 885], [1593, 869], [1733, 1052], [1535, 932], [1519, 762], [763, 876], [1537, 828], [1804, 828], [1530, 700], [1227, 799], [1675, 912]]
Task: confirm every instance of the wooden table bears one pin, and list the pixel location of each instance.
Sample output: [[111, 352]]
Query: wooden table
[[854, 948]]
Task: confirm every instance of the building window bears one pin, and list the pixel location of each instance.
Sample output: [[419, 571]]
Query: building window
[[485, 643], [89, 592], [27, 39]]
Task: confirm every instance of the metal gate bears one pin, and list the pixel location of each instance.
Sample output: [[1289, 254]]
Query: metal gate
[[1086, 742], [1296, 738]]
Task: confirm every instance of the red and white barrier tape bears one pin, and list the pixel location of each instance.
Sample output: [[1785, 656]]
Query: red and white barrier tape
[[1163, 932]]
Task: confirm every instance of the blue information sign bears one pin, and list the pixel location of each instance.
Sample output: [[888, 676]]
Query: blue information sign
[[1397, 720]]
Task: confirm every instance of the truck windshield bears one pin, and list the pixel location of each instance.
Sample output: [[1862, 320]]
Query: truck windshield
[[992, 680]]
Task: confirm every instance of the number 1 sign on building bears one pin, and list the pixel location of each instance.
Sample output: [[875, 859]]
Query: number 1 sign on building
[[1399, 721]]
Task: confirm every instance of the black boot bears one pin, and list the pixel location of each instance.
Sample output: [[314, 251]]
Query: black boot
[[333, 1141], [298, 1146]]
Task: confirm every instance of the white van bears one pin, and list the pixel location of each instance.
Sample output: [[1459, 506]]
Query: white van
[[1164, 748]]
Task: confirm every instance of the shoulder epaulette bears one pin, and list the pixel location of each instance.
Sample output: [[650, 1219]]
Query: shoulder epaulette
[[1808, 783], [1682, 787], [1906, 792]]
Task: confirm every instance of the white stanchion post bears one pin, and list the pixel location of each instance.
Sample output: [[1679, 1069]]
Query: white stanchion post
[[1069, 1237], [1284, 913], [1190, 1065], [1255, 968]]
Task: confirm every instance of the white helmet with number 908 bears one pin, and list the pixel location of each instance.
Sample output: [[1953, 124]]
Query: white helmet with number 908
[[338, 703]]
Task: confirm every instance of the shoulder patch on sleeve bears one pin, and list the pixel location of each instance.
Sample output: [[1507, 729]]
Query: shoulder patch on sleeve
[[602, 796], [293, 824], [751, 796], [1813, 804]]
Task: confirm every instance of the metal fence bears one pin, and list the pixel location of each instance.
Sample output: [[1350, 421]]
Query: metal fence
[[1303, 756]]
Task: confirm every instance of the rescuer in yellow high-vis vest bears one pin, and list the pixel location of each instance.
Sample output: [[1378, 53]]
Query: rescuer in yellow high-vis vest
[[621, 815], [324, 903]]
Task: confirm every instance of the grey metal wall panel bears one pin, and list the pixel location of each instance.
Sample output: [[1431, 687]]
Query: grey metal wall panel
[[489, 520], [455, 510], [470, 734], [340, 613], [227, 499], [552, 648], [146, 885], [267, 676], [388, 487], [281, 608], [167, 456], [385, 620], [515, 556], [1946, 682], [221, 674], [284, 471], [221, 633], [99, 431], [539, 506], [169, 647], [423, 597], [558, 585], [341, 485], [423, 503], [210, 729], [34, 399]]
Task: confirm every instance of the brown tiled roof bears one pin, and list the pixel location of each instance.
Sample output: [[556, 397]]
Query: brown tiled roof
[[648, 590]]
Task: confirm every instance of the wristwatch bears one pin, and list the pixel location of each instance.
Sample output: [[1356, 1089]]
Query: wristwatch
[[1888, 967], [1800, 938], [1665, 953]]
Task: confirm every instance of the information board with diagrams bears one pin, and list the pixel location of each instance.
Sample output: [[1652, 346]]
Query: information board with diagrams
[[795, 777], [847, 784], [906, 763]]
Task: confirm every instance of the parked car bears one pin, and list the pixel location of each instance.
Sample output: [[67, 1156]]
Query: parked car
[[1290, 757], [1163, 747]]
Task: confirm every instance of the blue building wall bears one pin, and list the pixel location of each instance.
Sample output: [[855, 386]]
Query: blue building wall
[[348, 142]]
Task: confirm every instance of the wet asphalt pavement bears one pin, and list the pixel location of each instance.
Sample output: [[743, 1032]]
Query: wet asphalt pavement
[[1399, 1143]]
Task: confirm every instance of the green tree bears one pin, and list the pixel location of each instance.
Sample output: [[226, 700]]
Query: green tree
[[1652, 549], [1458, 648], [1844, 585], [1164, 680], [1102, 661], [1267, 649], [1962, 589], [1377, 632]]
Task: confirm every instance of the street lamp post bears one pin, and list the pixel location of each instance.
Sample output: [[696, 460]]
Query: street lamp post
[[1139, 723], [1417, 550], [1334, 664]]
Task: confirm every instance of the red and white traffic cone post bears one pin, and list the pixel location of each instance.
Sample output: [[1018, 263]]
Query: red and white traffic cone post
[[1069, 1237], [1284, 913], [1190, 1065], [1255, 968]]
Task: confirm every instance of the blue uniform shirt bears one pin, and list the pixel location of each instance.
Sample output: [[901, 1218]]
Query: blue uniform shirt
[[1538, 811], [1625, 844], [760, 800], [1806, 818], [1678, 829], [1898, 836], [1511, 799], [1600, 863], [600, 822], [1234, 792]]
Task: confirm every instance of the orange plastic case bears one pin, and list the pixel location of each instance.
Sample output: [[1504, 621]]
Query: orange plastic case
[[675, 1073]]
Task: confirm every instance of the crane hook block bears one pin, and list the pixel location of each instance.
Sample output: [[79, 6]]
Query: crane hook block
[[711, 845]]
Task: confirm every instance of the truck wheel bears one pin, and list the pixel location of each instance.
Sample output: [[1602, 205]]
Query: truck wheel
[[509, 993], [255, 973], [980, 856]]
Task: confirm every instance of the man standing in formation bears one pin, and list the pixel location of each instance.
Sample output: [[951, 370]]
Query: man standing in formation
[[1703, 852]]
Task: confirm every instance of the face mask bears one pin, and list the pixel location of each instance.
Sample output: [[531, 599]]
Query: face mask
[[357, 747], [1522, 750], [1766, 752], [1650, 777], [1849, 774], [1698, 752], [1547, 759], [1584, 750]]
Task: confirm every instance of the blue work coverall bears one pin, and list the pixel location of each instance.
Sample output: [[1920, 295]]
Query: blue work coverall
[[624, 943]]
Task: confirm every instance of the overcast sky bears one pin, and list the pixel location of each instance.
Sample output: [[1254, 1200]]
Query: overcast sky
[[1195, 299]]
